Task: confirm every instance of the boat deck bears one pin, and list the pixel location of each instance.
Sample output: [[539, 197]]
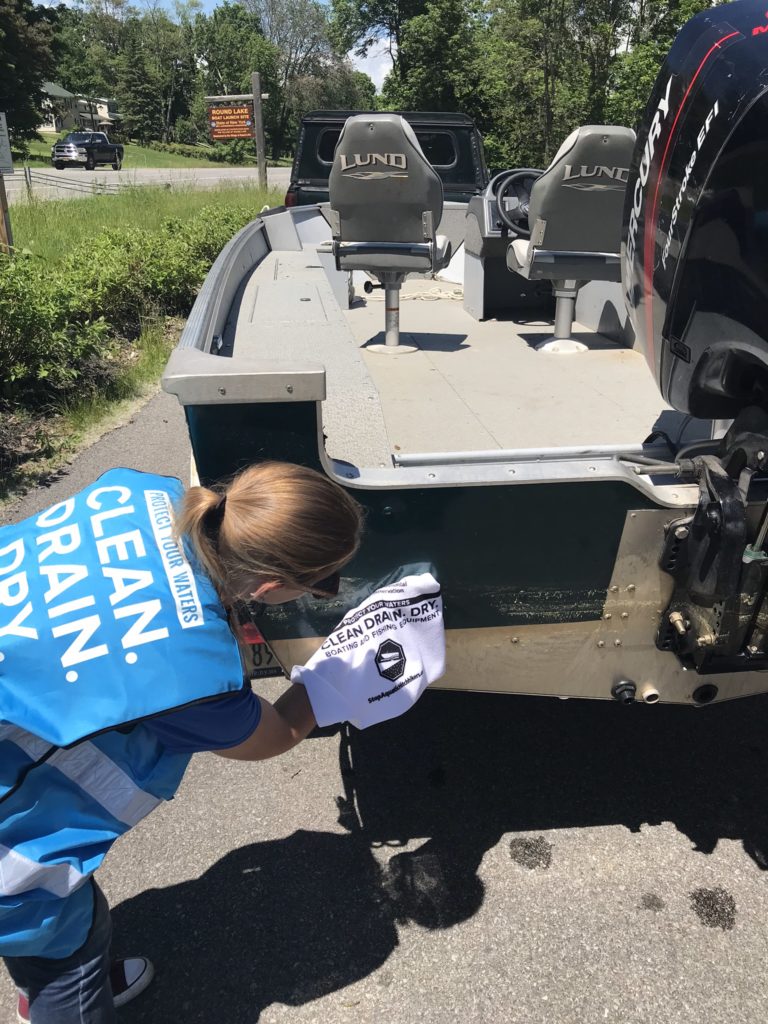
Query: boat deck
[[482, 385], [471, 386]]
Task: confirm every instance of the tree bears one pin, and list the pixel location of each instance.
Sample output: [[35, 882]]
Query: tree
[[599, 25], [89, 41], [299, 30], [84, 65], [339, 88], [26, 61], [139, 92], [365, 91], [168, 53], [653, 25], [229, 47], [360, 24], [438, 48]]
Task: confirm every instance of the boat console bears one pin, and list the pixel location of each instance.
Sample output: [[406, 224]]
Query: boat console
[[554, 229], [494, 219]]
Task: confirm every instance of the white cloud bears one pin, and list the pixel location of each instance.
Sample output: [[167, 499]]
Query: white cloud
[[377, 64]]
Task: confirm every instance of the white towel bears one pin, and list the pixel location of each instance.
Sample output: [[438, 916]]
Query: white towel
[[381, 656]]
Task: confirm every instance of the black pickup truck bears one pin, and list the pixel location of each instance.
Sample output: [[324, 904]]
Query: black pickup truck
[[450, 142], [87, 149]]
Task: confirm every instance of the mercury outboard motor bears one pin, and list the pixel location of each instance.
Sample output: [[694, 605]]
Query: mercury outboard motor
[[695, 276]]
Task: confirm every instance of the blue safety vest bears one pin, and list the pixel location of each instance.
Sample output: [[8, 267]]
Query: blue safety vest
[[105, 620]]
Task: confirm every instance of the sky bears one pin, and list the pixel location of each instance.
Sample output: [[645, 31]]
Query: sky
[[377, 64]]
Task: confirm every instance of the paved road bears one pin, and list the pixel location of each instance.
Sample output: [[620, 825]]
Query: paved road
[[482, 860], [52, 184]]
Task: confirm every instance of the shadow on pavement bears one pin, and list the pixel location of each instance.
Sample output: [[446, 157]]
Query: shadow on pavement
[[282, 921], [462, 770], [291, 920]]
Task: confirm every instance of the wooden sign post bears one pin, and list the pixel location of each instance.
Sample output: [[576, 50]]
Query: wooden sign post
[[258, 125], [242, 121], [6, 167]]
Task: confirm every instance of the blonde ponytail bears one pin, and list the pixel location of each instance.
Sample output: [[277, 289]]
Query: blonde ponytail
[[275, 521]]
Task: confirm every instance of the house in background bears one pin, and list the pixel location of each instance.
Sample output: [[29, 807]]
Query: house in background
[[67, 111]]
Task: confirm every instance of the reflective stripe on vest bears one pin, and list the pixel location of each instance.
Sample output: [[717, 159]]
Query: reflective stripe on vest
[[100, 779], [94, 772], [20, 874]]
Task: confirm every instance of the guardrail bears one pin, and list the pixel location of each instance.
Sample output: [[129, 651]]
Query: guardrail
[[42, 179], [44, 184]]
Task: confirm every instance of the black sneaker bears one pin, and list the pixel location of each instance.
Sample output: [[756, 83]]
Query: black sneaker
[[128, 976]]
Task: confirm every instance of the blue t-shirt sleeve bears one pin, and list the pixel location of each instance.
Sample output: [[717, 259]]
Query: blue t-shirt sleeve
[[212, 725]]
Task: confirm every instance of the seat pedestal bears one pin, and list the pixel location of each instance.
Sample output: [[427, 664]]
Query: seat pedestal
[[392, 283], [561, 342]]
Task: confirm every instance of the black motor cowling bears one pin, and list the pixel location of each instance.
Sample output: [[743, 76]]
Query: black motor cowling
[[695, 238]]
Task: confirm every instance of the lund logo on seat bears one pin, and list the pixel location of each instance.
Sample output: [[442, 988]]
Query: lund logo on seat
[[616, 175], [396, 163]]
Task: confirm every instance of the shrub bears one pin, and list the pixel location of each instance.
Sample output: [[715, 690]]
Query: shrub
[[41, 349], [185, 131], [180, 149], [208, 232], [64, 328], [236, 152], [120, 274]]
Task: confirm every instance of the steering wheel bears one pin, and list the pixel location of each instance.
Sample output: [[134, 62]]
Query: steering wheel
[[516, 216]]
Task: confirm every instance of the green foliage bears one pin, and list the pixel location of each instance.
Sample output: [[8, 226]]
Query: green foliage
[[235, 152], [180, 149], [361, 24], [139, 91], [311, 69], [206, 234], [51, 229], [238, 151], [632, 79], [41, 347], [89, 40], [528, 71], [340, 88], [63, 328], [186, 132], [634, 72], [124, 273], [229, 45], [437, 48], [26, 60]]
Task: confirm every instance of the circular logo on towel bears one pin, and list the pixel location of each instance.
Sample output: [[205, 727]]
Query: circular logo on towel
[[390, 660]]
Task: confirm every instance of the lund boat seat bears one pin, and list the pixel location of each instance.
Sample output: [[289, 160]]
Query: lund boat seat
[[575, 217], [386, 202]]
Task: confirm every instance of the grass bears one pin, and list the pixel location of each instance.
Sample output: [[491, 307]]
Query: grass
[[51, 228], [148, 356], [79, 423], [136, 157]]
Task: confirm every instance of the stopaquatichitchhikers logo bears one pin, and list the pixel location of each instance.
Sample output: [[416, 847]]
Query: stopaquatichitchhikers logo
[[390, 660]]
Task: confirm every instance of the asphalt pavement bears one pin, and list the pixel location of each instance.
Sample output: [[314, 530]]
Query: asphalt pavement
[[76, 182], [482, 859]]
